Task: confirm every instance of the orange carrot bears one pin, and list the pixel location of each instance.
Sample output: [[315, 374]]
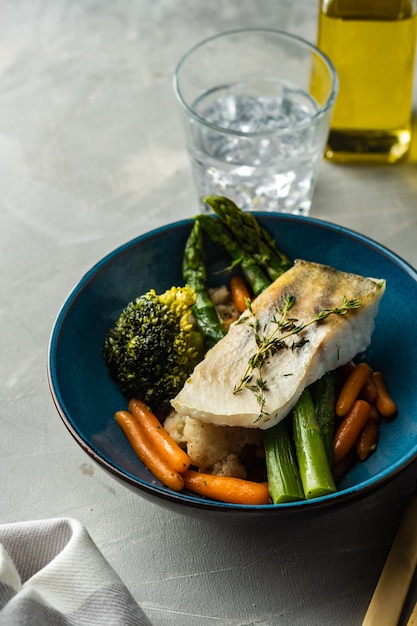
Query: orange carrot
[[384, 403], [367, 440], [351, 388], [350, 429], [368, 390], [147, 452], [339, 470], [177, 458], [374, 415], [226, 488], [240, 293]]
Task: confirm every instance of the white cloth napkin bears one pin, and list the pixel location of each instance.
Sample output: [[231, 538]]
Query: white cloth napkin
[[52, 573]]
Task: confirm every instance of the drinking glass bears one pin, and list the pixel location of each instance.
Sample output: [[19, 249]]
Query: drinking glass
[[256, 106]]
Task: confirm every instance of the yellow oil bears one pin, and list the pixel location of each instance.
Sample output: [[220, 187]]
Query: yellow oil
[[372, 46]]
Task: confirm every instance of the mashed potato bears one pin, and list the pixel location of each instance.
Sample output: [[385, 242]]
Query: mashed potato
[[222, 300], [214, 449]]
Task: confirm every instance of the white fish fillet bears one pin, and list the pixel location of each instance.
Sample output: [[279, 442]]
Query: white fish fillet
[[209, 395]]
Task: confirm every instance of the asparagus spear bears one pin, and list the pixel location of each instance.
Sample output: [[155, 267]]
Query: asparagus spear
[[195, 275], [250, 235], [325, 395], [315, 472], [284, 480], [220, 235]]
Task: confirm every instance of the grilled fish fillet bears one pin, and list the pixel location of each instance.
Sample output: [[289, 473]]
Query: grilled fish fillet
[[209, 394]]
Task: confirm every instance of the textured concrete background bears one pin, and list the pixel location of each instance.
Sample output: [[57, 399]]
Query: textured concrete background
[[91, 155]]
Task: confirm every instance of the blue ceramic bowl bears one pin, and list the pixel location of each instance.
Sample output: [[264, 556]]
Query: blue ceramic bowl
[[86, 398]]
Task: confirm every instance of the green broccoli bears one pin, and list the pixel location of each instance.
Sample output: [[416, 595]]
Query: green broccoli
[[154, 346]]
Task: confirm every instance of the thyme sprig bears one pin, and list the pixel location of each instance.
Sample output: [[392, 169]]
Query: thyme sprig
[[268, 344]]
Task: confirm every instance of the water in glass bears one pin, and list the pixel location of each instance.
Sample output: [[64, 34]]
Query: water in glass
[[259, 150]]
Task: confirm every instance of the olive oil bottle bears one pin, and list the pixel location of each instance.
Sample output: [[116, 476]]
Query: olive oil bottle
[[372, 46]]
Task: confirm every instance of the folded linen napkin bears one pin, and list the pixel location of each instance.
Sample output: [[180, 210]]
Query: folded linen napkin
[[52, 573]]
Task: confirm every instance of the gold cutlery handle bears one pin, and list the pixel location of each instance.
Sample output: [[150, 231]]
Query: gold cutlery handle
[[392, 587]]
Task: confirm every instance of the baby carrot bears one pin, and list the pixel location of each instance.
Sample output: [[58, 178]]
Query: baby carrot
[[384, 403], [351, 388], [240, 293], [350, 429], [147, 452], [342, 467], [177, 458], [368, 390], [226, 488], [374, 415], [367, 440]]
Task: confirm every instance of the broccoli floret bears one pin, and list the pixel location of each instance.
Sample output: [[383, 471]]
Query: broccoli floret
[[153, 347]]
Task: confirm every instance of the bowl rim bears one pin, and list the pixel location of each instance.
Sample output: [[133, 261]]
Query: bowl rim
[[160, 492]]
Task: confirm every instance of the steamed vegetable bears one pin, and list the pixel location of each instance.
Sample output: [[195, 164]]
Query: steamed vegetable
[[251, 237], [350, 429], [384, 402], [325, 401], [195, 275], [147, 452], [158, 436], [153, 346], [281, 464], [315, 472], [353, 384], [220, 235], [240, 293], [226, 488]]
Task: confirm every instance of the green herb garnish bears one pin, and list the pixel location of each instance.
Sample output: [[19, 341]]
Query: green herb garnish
[[268, 344]]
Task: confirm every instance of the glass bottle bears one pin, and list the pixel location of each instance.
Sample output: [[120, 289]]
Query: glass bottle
[[372, 46]]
